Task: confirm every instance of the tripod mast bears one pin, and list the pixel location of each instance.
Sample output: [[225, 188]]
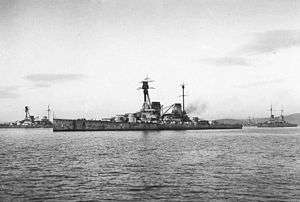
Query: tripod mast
[[145, 87]]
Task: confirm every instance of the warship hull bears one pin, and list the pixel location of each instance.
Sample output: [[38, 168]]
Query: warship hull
[[17, 126], [276, 125], [97, 125]]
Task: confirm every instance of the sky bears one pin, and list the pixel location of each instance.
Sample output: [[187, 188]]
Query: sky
[[85, 58]]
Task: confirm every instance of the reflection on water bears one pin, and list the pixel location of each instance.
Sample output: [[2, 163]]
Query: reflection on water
[[249, 164]]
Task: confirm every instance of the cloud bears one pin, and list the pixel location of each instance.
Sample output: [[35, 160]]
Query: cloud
[[261, 83], [272, 41], [8, 92], [45, 80], [227, 61], [263, 42], [42, 85], [53, 77]]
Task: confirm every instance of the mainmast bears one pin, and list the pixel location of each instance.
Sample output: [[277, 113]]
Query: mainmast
[[183, 95], [271, 111], [281, 113], [48, 112]]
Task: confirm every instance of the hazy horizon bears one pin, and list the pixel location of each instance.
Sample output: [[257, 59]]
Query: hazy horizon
[[86, 58]]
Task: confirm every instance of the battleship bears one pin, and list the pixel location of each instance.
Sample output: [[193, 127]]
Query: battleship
[[30, 121], [275, 122], [152, 116]]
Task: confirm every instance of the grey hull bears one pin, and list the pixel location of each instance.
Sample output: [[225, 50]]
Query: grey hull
[[96, 125]]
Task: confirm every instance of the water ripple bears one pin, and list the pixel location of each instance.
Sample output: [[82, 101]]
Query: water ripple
[[248, 165]]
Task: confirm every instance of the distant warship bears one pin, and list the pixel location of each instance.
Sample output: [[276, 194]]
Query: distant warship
[[152, 116], [276, 121], [250, 122], [30, 121]]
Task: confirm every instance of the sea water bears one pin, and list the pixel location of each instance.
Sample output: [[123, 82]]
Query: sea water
[[236, 165]]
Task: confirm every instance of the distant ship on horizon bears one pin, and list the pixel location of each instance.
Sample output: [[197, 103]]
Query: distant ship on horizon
[[30, 121], [274, 122]]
